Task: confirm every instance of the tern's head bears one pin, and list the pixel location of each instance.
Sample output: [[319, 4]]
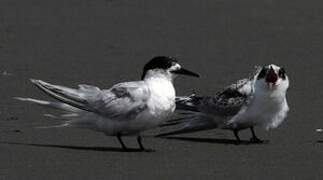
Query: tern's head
[[165, 66], [272, 78]]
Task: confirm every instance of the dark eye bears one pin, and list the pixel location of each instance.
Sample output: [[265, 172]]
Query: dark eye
[[262, 73], [282, 73]]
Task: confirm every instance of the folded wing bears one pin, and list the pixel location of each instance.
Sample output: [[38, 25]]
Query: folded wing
[[207, 112], [122, 101], [227, 102]]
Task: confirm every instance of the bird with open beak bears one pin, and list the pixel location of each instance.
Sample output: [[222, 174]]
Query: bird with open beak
[[256, 101]]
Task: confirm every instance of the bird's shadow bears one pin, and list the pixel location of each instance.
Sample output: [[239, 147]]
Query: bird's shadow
[[81, 148], [319, 141], [215, 140]]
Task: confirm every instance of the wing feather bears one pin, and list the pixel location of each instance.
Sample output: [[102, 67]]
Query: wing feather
[[227, 102], [122, 101]]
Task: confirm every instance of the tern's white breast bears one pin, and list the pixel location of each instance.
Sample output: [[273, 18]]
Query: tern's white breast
[[266, 109], [160, 105]]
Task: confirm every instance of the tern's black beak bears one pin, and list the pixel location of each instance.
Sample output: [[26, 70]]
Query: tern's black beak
[[186, 72]]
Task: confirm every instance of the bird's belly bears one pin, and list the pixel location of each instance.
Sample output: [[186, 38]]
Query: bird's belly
[[144, 121], [256, 115], [154, 115], [159, 108]]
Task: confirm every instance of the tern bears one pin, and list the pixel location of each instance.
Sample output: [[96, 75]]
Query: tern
[[126, 109], [259, 100]]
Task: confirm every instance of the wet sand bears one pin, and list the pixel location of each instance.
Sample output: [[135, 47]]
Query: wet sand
[[102, 42]]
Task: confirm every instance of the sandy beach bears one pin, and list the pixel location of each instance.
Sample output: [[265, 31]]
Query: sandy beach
[[102, 42]]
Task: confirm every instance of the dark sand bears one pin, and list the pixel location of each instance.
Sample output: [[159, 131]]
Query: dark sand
[[102, 42]]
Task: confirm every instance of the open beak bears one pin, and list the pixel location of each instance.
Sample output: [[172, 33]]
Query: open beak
[[271, 78], [186, 72]]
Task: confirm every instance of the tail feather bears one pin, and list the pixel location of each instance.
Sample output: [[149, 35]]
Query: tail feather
[[54, 126], [73, 97], [190, 128], [69, 119], [173, 122], [187, 103], [193, 123], [74, 104], [185, 130], [50, 104]]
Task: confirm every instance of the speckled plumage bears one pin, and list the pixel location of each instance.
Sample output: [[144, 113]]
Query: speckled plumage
[[244, 104]]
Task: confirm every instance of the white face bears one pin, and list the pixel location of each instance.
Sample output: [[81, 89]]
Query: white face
[[174, 67], [178, 69], [169, 71], [271, 78], [165, 72]]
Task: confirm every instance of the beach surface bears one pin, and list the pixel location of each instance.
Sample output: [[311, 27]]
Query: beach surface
[[102, 42]]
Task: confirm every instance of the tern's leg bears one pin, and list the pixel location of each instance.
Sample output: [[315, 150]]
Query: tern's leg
[[235, 132], [124, 147], [140, 143], [254, 137]]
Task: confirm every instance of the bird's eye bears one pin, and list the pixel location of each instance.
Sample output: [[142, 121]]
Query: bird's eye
[[262, 73], [282, 73]]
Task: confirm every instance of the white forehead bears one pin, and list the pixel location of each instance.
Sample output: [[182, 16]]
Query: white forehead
[[176, 66], [275, 67]]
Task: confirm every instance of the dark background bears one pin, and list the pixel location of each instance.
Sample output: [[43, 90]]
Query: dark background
[[102, 42]]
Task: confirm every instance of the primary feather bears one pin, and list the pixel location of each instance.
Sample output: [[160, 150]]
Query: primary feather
[[91, 106]]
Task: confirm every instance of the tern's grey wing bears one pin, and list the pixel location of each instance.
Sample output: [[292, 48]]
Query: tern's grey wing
[[122, 101], [207, 112], [227, 102]]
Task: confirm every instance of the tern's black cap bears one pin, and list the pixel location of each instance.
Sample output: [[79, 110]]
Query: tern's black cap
[[159, 62]]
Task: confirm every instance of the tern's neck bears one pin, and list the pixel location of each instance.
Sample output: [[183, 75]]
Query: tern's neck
[[157, 75], [160, 81], [160, 84], [277, 93]]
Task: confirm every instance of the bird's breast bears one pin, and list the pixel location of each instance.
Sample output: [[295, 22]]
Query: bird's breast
[[261, 111], [162, 99], [160, 105]]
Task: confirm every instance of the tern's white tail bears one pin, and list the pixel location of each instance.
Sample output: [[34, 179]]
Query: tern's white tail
[[50, 104], [79, 98], [70, 116]]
